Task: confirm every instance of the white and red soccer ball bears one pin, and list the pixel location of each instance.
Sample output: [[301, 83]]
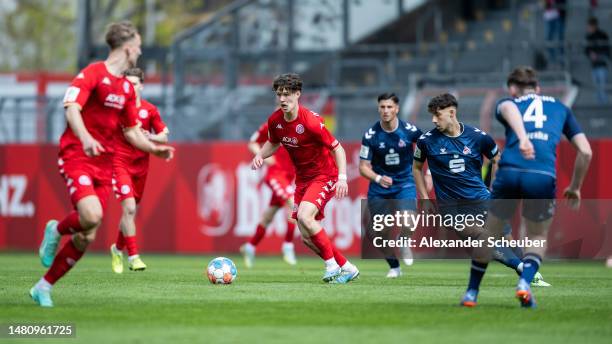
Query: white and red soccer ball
[[221, 270]]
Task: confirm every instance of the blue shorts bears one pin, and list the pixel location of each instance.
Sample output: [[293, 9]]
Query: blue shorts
[[537, 191], [389, 203]]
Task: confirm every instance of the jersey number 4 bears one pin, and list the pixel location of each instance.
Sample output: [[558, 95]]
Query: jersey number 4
[[535, 113]]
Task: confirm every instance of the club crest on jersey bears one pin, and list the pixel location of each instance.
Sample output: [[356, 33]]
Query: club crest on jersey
[[401, 143], [467, 150], [143, 113], [299, 129], [126, 86]]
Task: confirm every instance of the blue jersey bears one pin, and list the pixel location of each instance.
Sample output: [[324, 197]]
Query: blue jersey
[[391, 155], [545, 119], [456, 162]]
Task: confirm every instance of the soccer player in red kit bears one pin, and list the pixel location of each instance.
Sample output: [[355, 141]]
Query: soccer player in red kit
[[320, 165], [130, 168], [279, 178], [100, 106]]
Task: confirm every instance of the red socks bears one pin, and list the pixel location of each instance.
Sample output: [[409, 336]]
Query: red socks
[[321, 241], [70, 224], [128, 242], [290, 231], [340, 259], [65, 259], [120, 243], [259, 234]]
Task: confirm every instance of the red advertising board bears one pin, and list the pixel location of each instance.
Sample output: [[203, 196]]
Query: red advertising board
[[206, 200]]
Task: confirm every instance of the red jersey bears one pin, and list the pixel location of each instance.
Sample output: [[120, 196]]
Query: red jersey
[[308, 143], [149, 117], [107, 102], [282, 162]]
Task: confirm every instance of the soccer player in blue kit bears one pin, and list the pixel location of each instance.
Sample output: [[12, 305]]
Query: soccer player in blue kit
[[386, 160], [536, 121], [454, 152]]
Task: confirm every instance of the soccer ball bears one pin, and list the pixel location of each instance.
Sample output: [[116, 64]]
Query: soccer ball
[[221, 270]]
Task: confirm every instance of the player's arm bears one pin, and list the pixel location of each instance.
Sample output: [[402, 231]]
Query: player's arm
[[268, 149], [511, 114], [365, 169], [137, 139], [341, 185], [255, 143], [494, 168], [75, 120], [581, 166], [161, 137], [419, 179]]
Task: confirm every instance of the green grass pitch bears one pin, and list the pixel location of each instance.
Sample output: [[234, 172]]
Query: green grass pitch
[[172, 302]]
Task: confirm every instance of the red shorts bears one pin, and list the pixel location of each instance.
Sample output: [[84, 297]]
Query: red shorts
[[317, 192], [282, 188], [128, 184], [86, 176]]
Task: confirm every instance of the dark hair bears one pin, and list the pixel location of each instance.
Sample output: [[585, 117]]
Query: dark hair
[[441, 102], [387, 96], [523, 77], [137, 72], [290, 81], [119, 33], [593, 21]]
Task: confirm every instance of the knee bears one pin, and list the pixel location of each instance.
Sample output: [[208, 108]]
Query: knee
[[305, 219], [129, 210], [91, 217]]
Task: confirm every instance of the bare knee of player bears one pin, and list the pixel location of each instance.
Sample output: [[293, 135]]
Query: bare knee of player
[[90, 212], [306, 216], [129, 208]]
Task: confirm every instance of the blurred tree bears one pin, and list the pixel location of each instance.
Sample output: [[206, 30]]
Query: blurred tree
[[41, 34]]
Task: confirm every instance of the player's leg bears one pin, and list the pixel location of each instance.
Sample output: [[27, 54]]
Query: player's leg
[[248, 249], [288, 246], [127, 226], [538, 211], [481, 255], [89, 210], [377, 206]]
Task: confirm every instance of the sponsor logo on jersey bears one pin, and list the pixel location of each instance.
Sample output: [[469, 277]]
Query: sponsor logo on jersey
[[71, 94], [381, 145], [290, 140], [114, 101], [299, 129]]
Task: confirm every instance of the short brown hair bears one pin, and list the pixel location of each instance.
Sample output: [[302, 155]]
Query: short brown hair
[[523, 77], [137, 72], [119, 33], [290, 81], [441, 102]]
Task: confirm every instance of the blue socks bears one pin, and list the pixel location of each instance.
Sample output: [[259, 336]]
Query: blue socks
[[531, 264], [393, 262], [476, 273], [506, 256]]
